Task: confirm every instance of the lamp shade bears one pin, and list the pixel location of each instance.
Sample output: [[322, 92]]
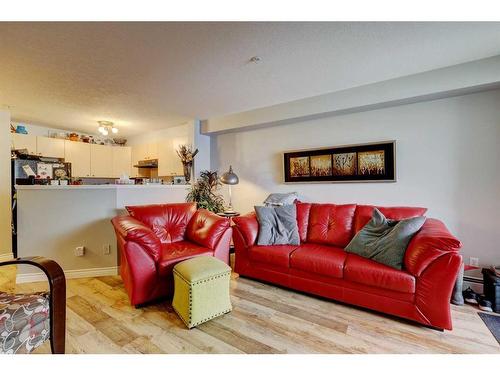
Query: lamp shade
[[229, 178]]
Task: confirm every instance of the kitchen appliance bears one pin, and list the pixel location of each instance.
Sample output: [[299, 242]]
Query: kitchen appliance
[[32, 170], [152, 163]]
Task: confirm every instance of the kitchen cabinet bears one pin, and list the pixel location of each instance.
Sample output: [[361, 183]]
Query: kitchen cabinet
[[24, 141], [51, 147], [169, 163], [101, 161], [78, 154], [121, 161], [145, 151], [152, 149]]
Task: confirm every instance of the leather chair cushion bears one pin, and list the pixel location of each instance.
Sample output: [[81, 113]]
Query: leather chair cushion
[[276, 255], [331, 224], [364, 213], [176, 252], [368, 272], [319, 259], [205, 228], [168, 221]]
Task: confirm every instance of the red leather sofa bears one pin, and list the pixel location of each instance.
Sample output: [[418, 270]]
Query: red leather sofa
[[153, 239], [320, 266]]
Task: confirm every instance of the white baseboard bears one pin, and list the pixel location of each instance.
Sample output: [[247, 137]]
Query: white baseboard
[[5, 257], [70, 274]]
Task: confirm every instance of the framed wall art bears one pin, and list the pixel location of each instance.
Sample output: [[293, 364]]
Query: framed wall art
[[369, 162]]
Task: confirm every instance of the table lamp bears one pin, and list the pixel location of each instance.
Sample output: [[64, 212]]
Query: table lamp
[[229, 178]]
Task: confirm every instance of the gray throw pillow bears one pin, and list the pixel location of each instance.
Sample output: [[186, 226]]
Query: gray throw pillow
[[277, 225], [385, 241], [280, 199]]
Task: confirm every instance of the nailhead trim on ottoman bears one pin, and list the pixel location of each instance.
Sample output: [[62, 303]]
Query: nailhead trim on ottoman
[[201, 290]]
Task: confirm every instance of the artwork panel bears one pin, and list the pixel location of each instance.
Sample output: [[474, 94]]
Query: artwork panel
[[321, 165], [344, 164], [299, 166], [371, 163]]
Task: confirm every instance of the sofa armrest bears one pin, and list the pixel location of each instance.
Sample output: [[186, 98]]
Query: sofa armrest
[[434, 288], [206, 228], [133, 230], [248, 227], [430, 243]]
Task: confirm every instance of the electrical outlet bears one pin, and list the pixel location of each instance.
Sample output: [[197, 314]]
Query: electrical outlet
[[79, 251], [106, 249], [474, 261]]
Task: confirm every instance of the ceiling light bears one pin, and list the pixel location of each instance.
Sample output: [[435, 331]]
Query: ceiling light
[[106, 127]]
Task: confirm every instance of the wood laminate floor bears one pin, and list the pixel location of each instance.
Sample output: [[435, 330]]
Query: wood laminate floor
[[265, 319]]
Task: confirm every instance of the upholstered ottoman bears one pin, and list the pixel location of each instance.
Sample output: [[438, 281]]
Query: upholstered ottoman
[[201, 289]]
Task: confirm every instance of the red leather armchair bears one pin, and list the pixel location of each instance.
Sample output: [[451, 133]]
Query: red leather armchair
[[421, 291], [152, 239]]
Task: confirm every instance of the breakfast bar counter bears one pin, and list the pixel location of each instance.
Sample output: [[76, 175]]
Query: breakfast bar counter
[[54, 220]]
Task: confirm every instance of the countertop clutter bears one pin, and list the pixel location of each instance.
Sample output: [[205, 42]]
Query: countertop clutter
[[94, 187]]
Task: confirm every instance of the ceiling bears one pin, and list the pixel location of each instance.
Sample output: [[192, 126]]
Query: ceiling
[[148, 76]]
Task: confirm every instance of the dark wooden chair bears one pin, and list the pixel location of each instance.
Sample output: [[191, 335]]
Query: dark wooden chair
[[28, 320]]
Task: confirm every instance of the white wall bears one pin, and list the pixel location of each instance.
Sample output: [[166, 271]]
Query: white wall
[[5, 201], [154, 136], [448, 160]]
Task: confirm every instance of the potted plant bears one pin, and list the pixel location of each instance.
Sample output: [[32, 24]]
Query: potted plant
[[204, 192]]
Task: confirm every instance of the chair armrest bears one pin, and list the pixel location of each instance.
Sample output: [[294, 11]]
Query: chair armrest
[[248, 226], [57, 297], [133, 230], [206, 228], [431, 242]]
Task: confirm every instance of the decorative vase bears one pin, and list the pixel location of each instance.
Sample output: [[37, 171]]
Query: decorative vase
[[187, 171]]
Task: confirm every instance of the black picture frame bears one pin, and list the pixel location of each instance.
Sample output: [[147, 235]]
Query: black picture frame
[[368, 162]]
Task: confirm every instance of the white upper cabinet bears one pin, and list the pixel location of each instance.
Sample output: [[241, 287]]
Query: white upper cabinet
[[121, 161], [78, 154], [50, 147], [24, 141], [101, 160], [169, 163], [152, 151]]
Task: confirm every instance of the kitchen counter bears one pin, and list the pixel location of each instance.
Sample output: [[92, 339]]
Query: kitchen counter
[[90, 187], [54, 220]]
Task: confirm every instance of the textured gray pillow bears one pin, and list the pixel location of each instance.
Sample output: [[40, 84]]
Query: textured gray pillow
[[385, 241], [277, 225], [280, 199]]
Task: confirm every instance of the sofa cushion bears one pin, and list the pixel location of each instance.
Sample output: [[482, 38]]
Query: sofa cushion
[[368, 272], [384, 240], [319, 259], [173, 253], [277, 255], [364, 213], [331, 224], [24, 322], [277, 225], [303, 210], [168, 221], [205, 228]]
